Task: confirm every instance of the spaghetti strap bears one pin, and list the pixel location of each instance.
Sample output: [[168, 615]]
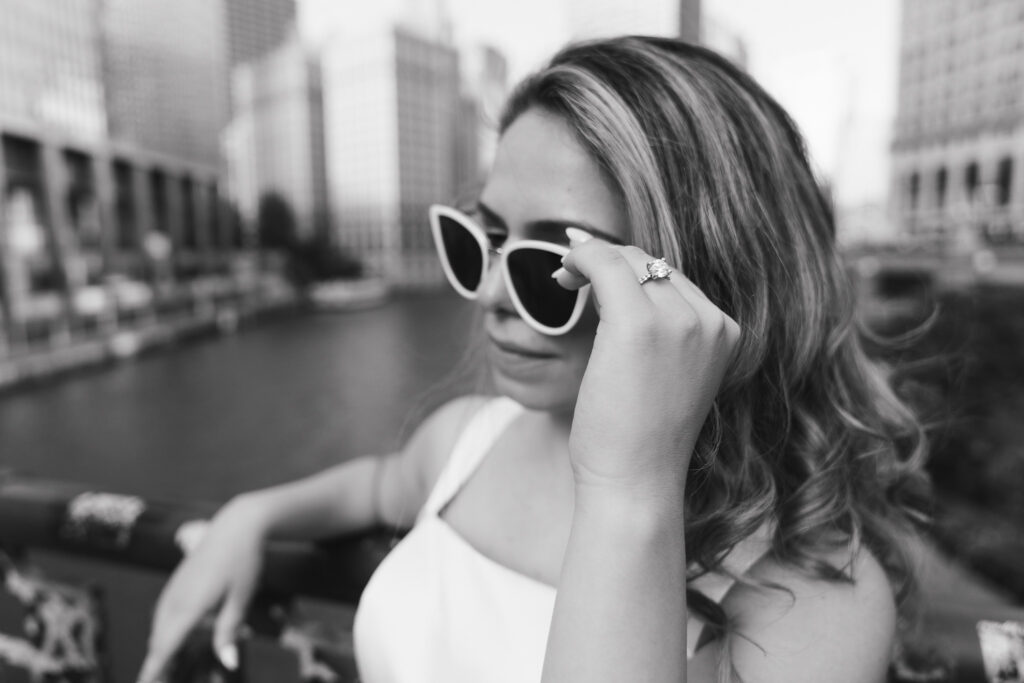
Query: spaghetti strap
[[475, 441], [715, 585]]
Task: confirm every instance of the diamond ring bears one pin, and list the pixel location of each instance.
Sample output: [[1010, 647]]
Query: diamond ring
[[656, 270]]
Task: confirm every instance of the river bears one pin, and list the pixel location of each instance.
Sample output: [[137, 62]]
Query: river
[[281, 398]]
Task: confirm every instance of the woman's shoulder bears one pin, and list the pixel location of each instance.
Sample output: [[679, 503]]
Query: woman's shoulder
[[408, 477], [793, 626], [431, 443]]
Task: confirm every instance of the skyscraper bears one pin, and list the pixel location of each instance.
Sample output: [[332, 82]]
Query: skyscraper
[[109, 124], [275, 142], [391, 99], [601, 18], [50, 72], [166, 67], [484, 86], [52, 123], [689, 20], [958, 147], [256, 27]]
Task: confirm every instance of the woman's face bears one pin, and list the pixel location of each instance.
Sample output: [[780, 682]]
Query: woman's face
[[542, 181]]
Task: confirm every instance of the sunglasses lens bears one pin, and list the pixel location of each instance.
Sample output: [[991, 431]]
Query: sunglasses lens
[[543, 298], [463, 252]]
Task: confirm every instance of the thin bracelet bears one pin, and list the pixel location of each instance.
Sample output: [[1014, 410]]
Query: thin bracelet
[[378, 470]]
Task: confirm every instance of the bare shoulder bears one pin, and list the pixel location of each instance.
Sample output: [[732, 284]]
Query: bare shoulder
[[430, 445], [408, 477], [812, 629]]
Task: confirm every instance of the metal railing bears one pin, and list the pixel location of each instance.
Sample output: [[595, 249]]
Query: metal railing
[[61, 633]]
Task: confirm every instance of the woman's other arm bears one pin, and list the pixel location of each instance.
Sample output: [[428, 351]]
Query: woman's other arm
[[364, 492], [223, 570]]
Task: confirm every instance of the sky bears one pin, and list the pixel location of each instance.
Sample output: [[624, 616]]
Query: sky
[[831, 63]]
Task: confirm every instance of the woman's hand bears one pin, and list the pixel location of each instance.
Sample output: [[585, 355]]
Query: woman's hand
[[223, 570], [661, 351]]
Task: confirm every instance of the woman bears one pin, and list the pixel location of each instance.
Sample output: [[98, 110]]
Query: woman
[[694, 451]]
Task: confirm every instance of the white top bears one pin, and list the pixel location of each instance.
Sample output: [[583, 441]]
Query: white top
[[437, 610]]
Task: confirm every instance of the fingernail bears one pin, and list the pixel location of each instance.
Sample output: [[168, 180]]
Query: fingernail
[[228, 656], [577, 236], [560, 271]]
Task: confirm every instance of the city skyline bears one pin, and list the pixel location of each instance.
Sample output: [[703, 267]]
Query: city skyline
[[831, 64], [805, 56]]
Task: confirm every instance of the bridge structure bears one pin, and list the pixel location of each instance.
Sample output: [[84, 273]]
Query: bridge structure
[[58, 629]]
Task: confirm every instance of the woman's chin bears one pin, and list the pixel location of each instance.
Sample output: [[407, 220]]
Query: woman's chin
[[547, 396]]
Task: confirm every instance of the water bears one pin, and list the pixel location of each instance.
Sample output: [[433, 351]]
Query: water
[[282, 398]]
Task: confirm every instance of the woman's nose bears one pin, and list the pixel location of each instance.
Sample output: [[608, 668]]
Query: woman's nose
[[493, 294]]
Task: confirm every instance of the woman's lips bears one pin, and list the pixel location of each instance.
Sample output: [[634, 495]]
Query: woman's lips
[[518, 350]]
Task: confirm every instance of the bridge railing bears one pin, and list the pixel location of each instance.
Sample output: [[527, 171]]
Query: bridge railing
[[58, 630]]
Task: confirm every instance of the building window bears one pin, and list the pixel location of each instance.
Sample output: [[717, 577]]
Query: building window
[[971, 180], [158, 199], [124, 205], [914, 189], [1004, 178], [941, 180]]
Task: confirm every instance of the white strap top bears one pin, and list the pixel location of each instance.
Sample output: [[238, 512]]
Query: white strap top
[[436, 609]]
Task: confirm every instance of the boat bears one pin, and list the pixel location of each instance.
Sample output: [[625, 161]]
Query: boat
[[348, 295]]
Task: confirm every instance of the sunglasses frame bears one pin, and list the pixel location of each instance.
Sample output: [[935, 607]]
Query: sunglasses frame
[[439, 211]]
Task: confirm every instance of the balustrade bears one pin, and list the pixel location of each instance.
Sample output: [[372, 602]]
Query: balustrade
[[62, 634]]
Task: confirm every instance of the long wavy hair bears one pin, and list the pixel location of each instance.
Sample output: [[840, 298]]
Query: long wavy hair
[[806, 435]]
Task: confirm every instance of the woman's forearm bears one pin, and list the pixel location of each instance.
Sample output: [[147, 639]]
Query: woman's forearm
[[330, 503], [620, 614]]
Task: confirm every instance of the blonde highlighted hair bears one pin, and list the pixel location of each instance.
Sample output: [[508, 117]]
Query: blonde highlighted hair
[[806, 436]]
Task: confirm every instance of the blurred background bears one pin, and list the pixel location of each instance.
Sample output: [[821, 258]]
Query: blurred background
[[216, 271]]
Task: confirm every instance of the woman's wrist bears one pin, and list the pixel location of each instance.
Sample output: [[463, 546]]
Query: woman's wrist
[[250, 510], [634, 508]]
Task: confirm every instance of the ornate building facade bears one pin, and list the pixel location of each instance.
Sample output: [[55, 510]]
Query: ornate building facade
[[958, 144]]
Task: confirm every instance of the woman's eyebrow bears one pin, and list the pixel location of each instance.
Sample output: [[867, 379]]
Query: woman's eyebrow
[[555, 227], [490, 215]]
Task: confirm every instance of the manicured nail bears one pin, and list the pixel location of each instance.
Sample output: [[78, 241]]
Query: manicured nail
[[577, 236], [560, 271], [228, 656]]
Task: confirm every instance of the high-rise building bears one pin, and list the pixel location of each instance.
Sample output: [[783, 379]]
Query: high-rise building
[[50, 72], [256, 27], [689, 20], [275, 142], [391, 101], [958, 147], [167, 67], [167, 73], [602, 18], [52, 121], [78, 205], [484, 85]]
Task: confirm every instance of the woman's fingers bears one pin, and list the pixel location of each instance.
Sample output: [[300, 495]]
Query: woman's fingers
[[615, 272], [230, 620], [151, 669], [169, 631], [612, 277], [571, 281]]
